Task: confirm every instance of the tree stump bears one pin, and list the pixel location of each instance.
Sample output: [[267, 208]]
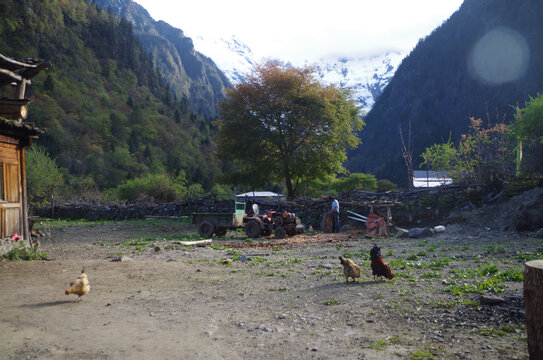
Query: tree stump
[[533, 297], [327, 223]]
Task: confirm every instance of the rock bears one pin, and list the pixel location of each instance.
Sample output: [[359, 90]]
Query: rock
[[122, 258], [456, 218], [420, 232], [529, 214], [539, 233], [439, 229], [401, 233], [469, 206], [158, 249], [514, 297], [490, 300]]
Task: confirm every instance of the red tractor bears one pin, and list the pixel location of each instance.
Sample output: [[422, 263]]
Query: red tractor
[[280, 224]]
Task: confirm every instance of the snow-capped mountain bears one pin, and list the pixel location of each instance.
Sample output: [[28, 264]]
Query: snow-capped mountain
[[367, 76]]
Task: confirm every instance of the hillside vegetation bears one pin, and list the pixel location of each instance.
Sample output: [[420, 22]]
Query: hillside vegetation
[[108, 116]]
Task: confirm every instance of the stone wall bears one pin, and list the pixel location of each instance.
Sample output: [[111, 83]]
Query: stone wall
[[424, 206]]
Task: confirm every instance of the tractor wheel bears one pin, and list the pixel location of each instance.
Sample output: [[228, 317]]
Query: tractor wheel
[[221, 231], [278, 220], [279, 232], [252, 229], [206, 228]]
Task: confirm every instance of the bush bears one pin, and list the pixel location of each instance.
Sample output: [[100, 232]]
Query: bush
[[157, 187], [355, 181]]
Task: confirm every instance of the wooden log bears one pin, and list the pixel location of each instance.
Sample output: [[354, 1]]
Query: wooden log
[[199, 243], [533, 297]]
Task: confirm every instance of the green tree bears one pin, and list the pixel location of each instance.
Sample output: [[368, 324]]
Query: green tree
[[282, 124], [483, 156], [529, 127], [440, 157], [43, 177]]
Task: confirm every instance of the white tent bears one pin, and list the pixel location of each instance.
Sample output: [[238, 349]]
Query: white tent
[[261, 194]]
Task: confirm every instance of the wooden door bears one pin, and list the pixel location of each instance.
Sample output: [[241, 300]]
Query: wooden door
[[11, 195]]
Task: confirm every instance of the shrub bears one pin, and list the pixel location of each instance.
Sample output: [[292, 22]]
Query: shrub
[[355, 181], [158, 187]]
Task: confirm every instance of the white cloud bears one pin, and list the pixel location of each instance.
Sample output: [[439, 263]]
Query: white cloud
[[300, 30]]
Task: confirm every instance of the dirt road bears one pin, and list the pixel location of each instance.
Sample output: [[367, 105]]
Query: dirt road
[[259, 300]]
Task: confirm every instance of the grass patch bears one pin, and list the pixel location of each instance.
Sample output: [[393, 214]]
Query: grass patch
[[491, 284], [377, 345], [23, 252], [138, 242], [331, 302], [538, 255], [492, 249], [421, 355], [438, 264]]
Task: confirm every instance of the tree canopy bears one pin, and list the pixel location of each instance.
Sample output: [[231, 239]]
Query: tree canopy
[[282, 124]]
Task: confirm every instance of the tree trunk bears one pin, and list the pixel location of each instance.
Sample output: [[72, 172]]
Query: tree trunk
[[290, 188], [533, 297]]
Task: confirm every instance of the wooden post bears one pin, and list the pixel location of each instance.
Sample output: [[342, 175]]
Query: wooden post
[[533, 297]]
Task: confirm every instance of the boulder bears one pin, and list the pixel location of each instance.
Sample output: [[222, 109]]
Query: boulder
[[420, 232], [529, 214]]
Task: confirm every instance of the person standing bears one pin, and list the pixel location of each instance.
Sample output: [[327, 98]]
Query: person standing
[[335, 214]]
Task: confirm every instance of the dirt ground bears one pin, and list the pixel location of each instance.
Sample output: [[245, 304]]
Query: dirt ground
[[263, 299]]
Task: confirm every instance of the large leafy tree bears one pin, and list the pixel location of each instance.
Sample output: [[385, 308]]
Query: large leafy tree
[[282, 124]]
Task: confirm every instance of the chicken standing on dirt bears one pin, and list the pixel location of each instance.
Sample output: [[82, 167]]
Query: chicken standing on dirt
[[79, 286], [379, 267], [350, 269]]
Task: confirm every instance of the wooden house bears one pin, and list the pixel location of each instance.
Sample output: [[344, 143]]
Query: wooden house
[[15, 135]]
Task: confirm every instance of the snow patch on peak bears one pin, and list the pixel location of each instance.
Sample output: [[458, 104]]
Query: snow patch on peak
[[232, 56], [367, 76]]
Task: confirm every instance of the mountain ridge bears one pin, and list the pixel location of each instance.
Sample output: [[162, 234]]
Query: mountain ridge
[[187, 72]]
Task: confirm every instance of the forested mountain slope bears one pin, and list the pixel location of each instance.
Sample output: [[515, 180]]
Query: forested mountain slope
[[483, 60], [187, 72], [108, 115]]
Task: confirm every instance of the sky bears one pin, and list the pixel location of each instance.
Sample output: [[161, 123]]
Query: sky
[[308, 30]]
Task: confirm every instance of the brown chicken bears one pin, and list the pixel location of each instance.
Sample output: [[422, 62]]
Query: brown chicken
[[80, 286], [379, 267], [350, 269]]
